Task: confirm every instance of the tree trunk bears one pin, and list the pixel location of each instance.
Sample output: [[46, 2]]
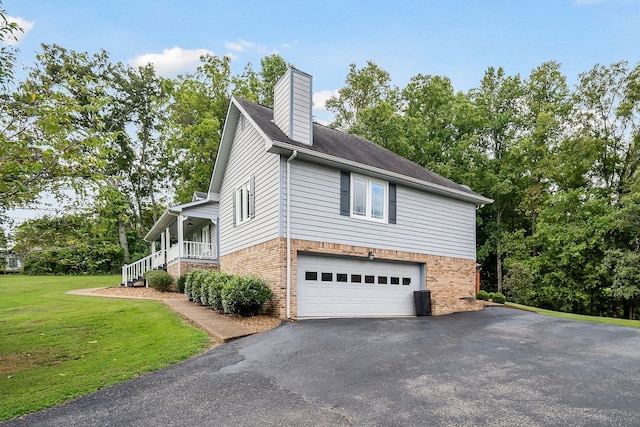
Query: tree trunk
[[122, 236], [499, 251]]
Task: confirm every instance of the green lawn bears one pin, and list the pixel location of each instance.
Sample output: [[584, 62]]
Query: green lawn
[[595, 319], [54, 347]]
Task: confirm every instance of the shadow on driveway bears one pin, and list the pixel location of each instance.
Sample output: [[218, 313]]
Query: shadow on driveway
[[498, 366]]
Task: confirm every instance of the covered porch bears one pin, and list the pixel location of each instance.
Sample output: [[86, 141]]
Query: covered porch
[[184, 238]]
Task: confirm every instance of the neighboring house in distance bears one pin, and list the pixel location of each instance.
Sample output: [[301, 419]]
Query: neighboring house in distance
[[9, 262], [339, 226]]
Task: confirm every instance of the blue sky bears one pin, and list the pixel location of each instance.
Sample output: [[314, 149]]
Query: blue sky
[[457, 39]]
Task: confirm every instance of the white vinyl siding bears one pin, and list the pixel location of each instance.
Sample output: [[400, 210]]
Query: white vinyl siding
[[249, 158], [208, 210], [426, 223]]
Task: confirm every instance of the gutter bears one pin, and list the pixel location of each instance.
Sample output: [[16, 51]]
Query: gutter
[[288, 227], [477, 199]]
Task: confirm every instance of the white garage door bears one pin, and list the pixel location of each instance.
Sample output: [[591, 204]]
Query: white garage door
[[344, 287]]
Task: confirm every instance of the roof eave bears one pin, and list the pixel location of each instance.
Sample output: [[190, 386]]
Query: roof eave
[[281, 147]]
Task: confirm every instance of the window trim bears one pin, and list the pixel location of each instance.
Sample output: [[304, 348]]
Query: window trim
[[242, 203], [369, 183]]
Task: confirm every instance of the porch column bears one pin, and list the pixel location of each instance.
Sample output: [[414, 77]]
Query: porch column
[[180, 237]]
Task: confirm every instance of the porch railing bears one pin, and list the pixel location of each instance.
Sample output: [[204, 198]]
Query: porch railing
[[135, 271], [199, 250], [193, 250]]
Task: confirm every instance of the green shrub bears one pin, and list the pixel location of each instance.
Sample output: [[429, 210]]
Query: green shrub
[[483, 295], [499, 298], [187, 285], [217, 281], [159, 280], [245, 295], [520, 285], [194, 284], [180, 283], [204, 290]]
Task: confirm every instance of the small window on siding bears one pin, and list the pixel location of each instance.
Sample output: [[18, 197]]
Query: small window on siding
[[382, 280], [340, 277], [327, 277], [369, 279], [369, 198], [406, 281], [311, 275], [356, 278], [395, 280], [244, 201]]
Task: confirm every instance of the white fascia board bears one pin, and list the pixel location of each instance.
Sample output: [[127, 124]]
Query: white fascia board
[[477, 199], [168, 216], [224, 149], [159, 226]]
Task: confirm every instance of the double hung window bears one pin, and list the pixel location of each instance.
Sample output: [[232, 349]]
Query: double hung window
[[369, 198], [243, 202]]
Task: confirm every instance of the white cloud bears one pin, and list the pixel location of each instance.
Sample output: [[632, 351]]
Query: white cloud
[[241, 46], [320, 99], [171, 61], [18, 35]]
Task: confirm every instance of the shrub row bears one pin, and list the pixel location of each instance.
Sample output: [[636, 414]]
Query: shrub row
[[243, 295], [491, 296]]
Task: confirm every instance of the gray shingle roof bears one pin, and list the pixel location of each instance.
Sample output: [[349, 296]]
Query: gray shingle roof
[[350, 147]]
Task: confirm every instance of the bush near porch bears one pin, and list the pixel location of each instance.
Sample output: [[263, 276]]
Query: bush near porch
[[231, 294]]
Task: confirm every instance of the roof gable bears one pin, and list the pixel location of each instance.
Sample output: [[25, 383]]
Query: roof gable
[[355, 151]]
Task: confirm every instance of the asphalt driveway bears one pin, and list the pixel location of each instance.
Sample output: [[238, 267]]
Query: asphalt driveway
[[496, 367]]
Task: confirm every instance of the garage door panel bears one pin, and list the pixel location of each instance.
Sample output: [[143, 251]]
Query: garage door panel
[[343, 287]]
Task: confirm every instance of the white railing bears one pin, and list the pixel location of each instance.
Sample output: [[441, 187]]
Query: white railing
[[199, 250], [135, 271], [173, 253], [193, 250]]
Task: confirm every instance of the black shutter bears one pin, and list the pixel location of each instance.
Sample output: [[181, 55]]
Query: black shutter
[[392, 203], [345, 189], [252, 197]]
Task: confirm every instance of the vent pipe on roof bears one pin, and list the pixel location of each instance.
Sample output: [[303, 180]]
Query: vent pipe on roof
[[293, 103]]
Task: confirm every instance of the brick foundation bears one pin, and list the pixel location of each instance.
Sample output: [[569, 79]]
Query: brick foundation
[[267, 260], [187, 266], [450, 280]]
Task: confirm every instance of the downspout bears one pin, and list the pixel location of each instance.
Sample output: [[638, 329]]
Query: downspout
[[288, 227]]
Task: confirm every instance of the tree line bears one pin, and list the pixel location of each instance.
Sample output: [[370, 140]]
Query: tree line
[[560, 162]]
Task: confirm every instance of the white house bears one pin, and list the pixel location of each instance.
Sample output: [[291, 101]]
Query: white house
[[339, 226]]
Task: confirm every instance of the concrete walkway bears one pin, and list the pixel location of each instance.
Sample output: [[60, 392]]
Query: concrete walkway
[[219, 327]]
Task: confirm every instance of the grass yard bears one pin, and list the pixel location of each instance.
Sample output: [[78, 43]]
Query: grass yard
[[594, 319], [54, 347]]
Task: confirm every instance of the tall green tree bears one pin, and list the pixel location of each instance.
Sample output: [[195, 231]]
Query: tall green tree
[[257, 86], [547, 109], [365, 89], [195, 119], [498, 103]]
